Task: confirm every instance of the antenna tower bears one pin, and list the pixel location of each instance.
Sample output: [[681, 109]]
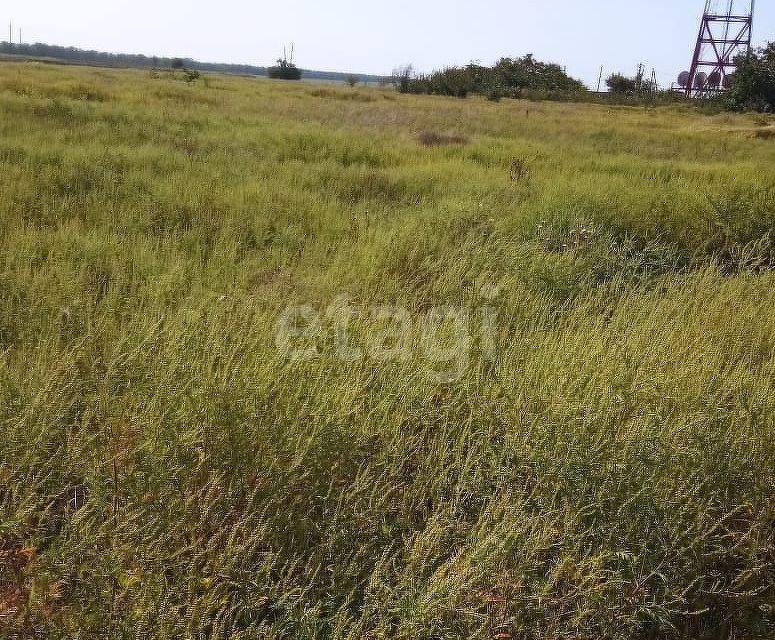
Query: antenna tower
[[725, 32]]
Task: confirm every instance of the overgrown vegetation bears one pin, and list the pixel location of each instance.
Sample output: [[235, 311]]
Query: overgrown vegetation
[[509, 77], [620, 84], [753, 88], [166, 473], [284, 70]]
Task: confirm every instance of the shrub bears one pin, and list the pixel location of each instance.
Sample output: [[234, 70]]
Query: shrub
[[284, 70], [403, 78], [753, 86], [619, 83], [509, 77]]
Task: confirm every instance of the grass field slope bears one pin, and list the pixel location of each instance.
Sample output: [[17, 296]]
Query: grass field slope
[[204, 433]]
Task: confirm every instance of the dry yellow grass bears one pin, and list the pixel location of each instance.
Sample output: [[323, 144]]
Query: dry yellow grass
[[599, 466]]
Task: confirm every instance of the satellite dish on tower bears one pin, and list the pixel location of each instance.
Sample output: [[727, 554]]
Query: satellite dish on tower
[[728, 80], [714, 80], [683, 79], [700, 79]]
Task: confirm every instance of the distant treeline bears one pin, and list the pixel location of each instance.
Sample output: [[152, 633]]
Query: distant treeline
[[73, 55], [528, 78]]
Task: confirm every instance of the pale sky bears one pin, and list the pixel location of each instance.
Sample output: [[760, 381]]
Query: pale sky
[[363, 37]]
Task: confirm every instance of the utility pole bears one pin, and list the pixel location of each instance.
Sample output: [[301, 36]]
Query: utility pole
[[639, 77], [600, 79], [10, 33]]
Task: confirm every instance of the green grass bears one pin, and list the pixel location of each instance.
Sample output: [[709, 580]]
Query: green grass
[[166, 473]]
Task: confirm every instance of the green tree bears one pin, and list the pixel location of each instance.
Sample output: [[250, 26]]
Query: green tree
[[622, 85], [509, 77], [753, 85], [528, 74]]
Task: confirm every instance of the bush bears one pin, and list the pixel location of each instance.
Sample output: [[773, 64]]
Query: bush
[[622, 85], [618, 83], [284, 70], [509, 77], [753, 86], [403, 78]]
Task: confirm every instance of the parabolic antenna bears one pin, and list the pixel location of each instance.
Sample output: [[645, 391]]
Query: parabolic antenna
[[728, 80], [683, 79], [714, 80], [700, 79]]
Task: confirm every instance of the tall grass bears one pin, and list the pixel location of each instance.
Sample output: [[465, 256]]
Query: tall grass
[[166, 473]]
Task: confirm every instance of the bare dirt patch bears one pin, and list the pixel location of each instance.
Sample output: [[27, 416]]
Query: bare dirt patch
[[436, 139]]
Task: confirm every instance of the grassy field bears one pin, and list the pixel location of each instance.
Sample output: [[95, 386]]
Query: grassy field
[[541, 405]]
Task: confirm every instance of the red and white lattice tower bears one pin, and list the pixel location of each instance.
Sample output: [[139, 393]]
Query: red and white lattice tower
[[725, 33]]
